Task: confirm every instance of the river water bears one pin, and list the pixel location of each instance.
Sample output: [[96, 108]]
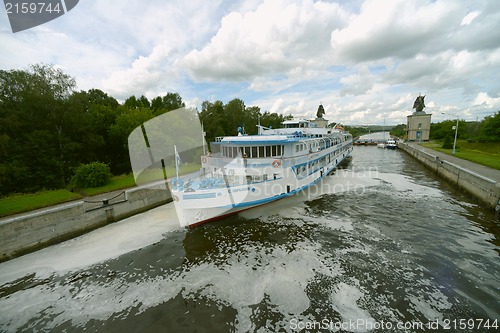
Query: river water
[[380, 245]]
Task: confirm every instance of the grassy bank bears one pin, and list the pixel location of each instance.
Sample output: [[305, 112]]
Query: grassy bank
[[23, 202], [19, 203], [116, 183], [487, 154]]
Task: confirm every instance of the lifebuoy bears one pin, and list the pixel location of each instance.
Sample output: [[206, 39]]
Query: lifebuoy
[[276, 163]]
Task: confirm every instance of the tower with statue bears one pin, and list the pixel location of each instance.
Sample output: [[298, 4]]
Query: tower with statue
[[320, 120], [418, 125]]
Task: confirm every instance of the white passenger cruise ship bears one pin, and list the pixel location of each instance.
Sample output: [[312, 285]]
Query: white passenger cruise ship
[[246, 171]]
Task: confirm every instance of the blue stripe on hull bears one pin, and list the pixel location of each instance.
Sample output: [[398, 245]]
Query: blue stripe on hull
[[198, 196]]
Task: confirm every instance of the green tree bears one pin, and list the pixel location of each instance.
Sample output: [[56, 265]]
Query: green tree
[[131, 103], [398, 130], [447, 142], [39, 131], [143, 102], [251, 119], [490, 128], [169, 102], [102, 111], [125, 123], [211, 116], [439, 131], [472, 130], [234, 116], [93, 97], [273, 120], [356, 131], [93, 174], [219, 119]]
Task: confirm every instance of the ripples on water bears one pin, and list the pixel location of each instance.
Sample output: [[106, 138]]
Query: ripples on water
[[380, 241]]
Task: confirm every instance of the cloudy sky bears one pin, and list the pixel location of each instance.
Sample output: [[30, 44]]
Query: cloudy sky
[[366, 61]]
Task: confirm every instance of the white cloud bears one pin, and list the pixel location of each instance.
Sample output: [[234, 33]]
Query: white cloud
[[145, 74], [470, 17], [277, 37], [357, 83], [483, 99], [363, 59], [276, 105], [392, 28], [298, 110]]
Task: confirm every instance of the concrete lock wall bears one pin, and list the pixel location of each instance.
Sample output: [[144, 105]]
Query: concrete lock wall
[[29, 232], [485, 189]]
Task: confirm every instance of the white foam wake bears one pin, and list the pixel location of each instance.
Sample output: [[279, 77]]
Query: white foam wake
[[97, 246]]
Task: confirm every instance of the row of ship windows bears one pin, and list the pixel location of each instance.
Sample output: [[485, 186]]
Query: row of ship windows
[[318, 144], [302, 170], [275, 150], [254, 151]]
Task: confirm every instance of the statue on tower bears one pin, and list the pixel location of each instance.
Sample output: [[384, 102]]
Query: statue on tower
[[321, 111], [418, 126], [419, 104]]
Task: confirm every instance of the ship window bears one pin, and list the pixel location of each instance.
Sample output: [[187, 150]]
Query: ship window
[[297, 148], [261, 151], [229, 151], [254, 152], [274, 151], [247, 152], [268, 151], [235, 151]]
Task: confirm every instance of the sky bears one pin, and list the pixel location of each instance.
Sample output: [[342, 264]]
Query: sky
[[366, 61]]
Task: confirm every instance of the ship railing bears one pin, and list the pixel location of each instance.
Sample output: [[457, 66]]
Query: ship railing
[[203, 180]]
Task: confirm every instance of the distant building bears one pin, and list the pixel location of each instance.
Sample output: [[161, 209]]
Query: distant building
[[418, 125]]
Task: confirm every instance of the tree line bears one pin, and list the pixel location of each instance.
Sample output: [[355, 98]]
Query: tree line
[[487, 130], [48, 129]]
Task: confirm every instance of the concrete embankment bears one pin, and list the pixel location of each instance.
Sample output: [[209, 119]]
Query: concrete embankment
[[31, 231], [467, 176]]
